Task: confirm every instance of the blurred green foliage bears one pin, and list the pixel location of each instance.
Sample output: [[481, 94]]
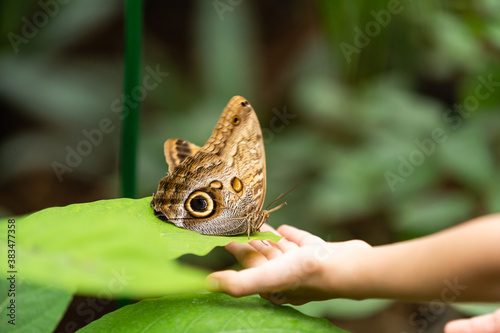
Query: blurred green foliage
[[356, 117]]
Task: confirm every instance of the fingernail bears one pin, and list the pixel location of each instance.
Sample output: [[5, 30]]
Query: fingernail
[[213, 285]]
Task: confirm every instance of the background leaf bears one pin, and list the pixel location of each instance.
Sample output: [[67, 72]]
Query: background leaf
[[476, 309], [344, 308], [112, 247], [208, 313], [38, 309]]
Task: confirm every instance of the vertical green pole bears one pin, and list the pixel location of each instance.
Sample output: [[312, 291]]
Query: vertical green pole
[[131, 105]]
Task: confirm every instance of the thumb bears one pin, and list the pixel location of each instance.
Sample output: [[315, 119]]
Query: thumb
[[488, 323], [247, 282], [230, 282]]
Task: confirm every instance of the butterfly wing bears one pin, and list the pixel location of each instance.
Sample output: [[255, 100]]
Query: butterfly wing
[[241, 146], [213, 190], [176, 151]]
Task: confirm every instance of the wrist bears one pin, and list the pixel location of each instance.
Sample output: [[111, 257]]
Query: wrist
[[347, 271]]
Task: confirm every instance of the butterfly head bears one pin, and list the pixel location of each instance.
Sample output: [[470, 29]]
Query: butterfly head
[[256, 219]]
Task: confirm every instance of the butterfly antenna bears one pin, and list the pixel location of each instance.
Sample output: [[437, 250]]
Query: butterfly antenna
[[279, 198], [277, 207]]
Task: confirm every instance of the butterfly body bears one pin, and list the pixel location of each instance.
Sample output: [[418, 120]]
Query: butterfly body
[[217, 189]]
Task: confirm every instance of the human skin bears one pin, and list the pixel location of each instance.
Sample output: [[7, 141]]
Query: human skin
[[489, 323], [458, 264]]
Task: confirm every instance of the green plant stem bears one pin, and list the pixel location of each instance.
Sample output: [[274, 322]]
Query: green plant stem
[[131, 107]]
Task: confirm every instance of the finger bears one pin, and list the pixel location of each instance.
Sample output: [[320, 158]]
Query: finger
[[489, 323], [268, 249], [246, 254], [300, 237], [237, 284], [262, 279], [267, 227], [283, 244], [458, 326]]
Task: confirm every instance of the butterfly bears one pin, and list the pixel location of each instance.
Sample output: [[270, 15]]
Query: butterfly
[[217, 189]]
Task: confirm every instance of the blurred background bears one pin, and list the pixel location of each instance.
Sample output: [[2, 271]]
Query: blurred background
[[385, 113]]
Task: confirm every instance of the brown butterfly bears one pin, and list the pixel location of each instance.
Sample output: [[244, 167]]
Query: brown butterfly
[[217, 189]]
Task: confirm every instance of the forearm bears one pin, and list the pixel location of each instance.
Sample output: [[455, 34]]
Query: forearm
[[459, 264]]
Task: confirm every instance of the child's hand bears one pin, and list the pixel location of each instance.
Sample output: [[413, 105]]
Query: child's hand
[[297, 269], [489, 323]]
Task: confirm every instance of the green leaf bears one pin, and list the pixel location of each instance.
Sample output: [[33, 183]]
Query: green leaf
[[344, 308], [112, 247], [476, 309], [208, 313], [37, 308]]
